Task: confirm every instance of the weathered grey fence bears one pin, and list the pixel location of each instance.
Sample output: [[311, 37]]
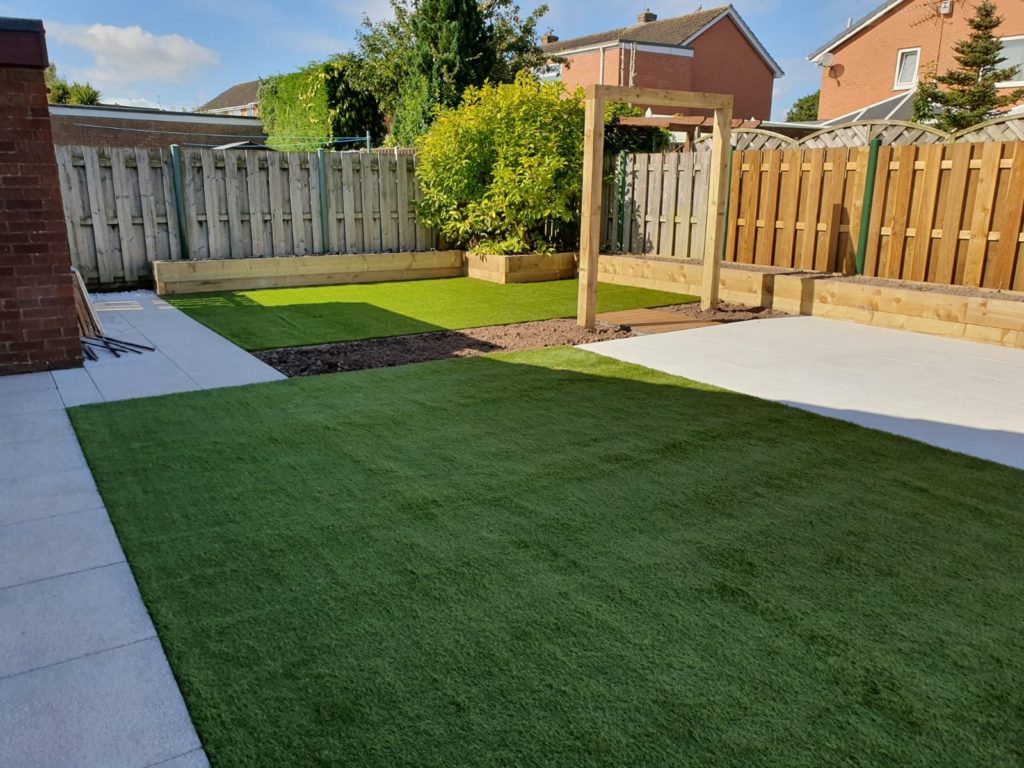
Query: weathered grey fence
[[657, 204], [122, 211]]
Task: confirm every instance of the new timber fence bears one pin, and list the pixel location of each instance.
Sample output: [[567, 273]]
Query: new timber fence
[[949, 214], [126, 208]]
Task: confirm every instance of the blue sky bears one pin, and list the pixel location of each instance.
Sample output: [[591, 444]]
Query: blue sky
[[180, 53]]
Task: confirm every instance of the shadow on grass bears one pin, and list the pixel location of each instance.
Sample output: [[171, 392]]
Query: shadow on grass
[[552, 558]]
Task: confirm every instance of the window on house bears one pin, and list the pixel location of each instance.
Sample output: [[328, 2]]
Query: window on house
[[906, 68], [549, 72], [1013, 52]]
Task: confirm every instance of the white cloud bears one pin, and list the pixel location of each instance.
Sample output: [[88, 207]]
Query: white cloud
[[132, 54]]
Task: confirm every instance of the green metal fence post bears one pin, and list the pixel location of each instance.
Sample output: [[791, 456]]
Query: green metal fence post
[[179, 199], [369, 142], [321, 172], [621, 201], [728, 201], [869, 199]]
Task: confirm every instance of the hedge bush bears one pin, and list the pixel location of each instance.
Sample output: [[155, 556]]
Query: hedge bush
[[501, 167], [302, 111]]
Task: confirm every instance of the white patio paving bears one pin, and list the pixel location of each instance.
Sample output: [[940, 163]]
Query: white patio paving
[[960, 395], [83, 678]]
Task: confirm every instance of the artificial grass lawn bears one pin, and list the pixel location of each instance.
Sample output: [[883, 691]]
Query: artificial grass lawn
[[292, 317], [555, 559]]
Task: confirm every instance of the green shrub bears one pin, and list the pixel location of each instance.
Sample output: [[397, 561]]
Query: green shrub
[[304, 110], [503, 166]]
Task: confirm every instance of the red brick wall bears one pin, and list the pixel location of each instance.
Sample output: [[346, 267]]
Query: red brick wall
[[725, 62], [865, 66], [151, 134], [38, 326]]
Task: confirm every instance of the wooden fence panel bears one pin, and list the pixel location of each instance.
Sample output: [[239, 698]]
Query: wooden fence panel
[[121, 213]]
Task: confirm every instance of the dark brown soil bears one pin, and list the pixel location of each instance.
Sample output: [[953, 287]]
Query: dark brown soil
[[726, 313], [953, 290], [401, 350]]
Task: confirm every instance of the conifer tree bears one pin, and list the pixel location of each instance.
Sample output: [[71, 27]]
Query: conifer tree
[[968, 95]]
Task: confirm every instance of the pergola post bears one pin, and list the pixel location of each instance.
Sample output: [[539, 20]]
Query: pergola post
[[590, 219], [596, 96], [721, 145]]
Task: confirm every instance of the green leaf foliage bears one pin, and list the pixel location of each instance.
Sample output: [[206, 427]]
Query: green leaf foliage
[[503, 165], [305, 110], [63, 92], [969, 95], [450, 44], [804, 109], [631, 138]]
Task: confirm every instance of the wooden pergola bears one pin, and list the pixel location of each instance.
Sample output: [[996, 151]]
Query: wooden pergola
[[593, 167]]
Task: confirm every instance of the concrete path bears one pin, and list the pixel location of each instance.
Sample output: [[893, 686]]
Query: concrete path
[[83, 678], [188, 355], [959, 395]]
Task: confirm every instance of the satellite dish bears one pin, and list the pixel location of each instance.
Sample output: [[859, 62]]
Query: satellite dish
[[826, 60]]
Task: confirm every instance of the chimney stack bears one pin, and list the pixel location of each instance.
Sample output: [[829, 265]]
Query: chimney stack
[[646, 16], [548, 37]]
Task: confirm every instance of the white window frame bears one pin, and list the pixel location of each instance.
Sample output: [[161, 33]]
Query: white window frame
[[896, 84], [1019, 82]]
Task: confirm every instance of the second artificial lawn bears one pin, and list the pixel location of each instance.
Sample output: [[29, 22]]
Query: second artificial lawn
[[291, 317]]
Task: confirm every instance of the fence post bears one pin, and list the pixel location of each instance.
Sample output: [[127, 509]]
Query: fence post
[[179, 200], [728, 201], [321, 170], [369, 142], [620, 201], [868, 202]]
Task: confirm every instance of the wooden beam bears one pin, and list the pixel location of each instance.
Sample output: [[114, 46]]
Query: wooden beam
[[715, 238], [662, 97], [590, 217]]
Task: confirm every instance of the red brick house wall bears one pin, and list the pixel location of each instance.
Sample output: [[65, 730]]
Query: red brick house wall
[[38, 325], [864, 69], [724, 62]]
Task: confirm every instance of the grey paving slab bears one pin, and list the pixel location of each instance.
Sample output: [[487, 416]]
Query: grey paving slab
[[47, 494], [76, 387], [54, 620], [951, 393], [115, 709], [25, 382], [54, 546], [30, 401], [33, 457], [195, 759], [43, 425]]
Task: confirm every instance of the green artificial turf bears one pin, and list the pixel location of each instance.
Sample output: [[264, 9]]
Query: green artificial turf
[[292, 317], [555, 559]]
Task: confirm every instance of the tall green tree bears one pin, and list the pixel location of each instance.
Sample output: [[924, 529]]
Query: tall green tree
[[393, 74], [804, 109], [968, 95]]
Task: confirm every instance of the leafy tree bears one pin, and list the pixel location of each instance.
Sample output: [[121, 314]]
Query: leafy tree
[[503, 165], [967, 95], [804, 109], [387, 48], [62, 92], [631, 138], [303, 110]]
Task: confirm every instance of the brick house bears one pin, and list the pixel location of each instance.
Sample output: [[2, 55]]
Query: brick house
[[242, 99], [871, 69], [710, 50]]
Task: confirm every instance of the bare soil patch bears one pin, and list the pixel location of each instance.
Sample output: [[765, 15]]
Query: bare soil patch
[[725, 313], [952, 290], [440, 345]]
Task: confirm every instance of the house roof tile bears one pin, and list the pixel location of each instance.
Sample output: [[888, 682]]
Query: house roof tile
[[236, 96]]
